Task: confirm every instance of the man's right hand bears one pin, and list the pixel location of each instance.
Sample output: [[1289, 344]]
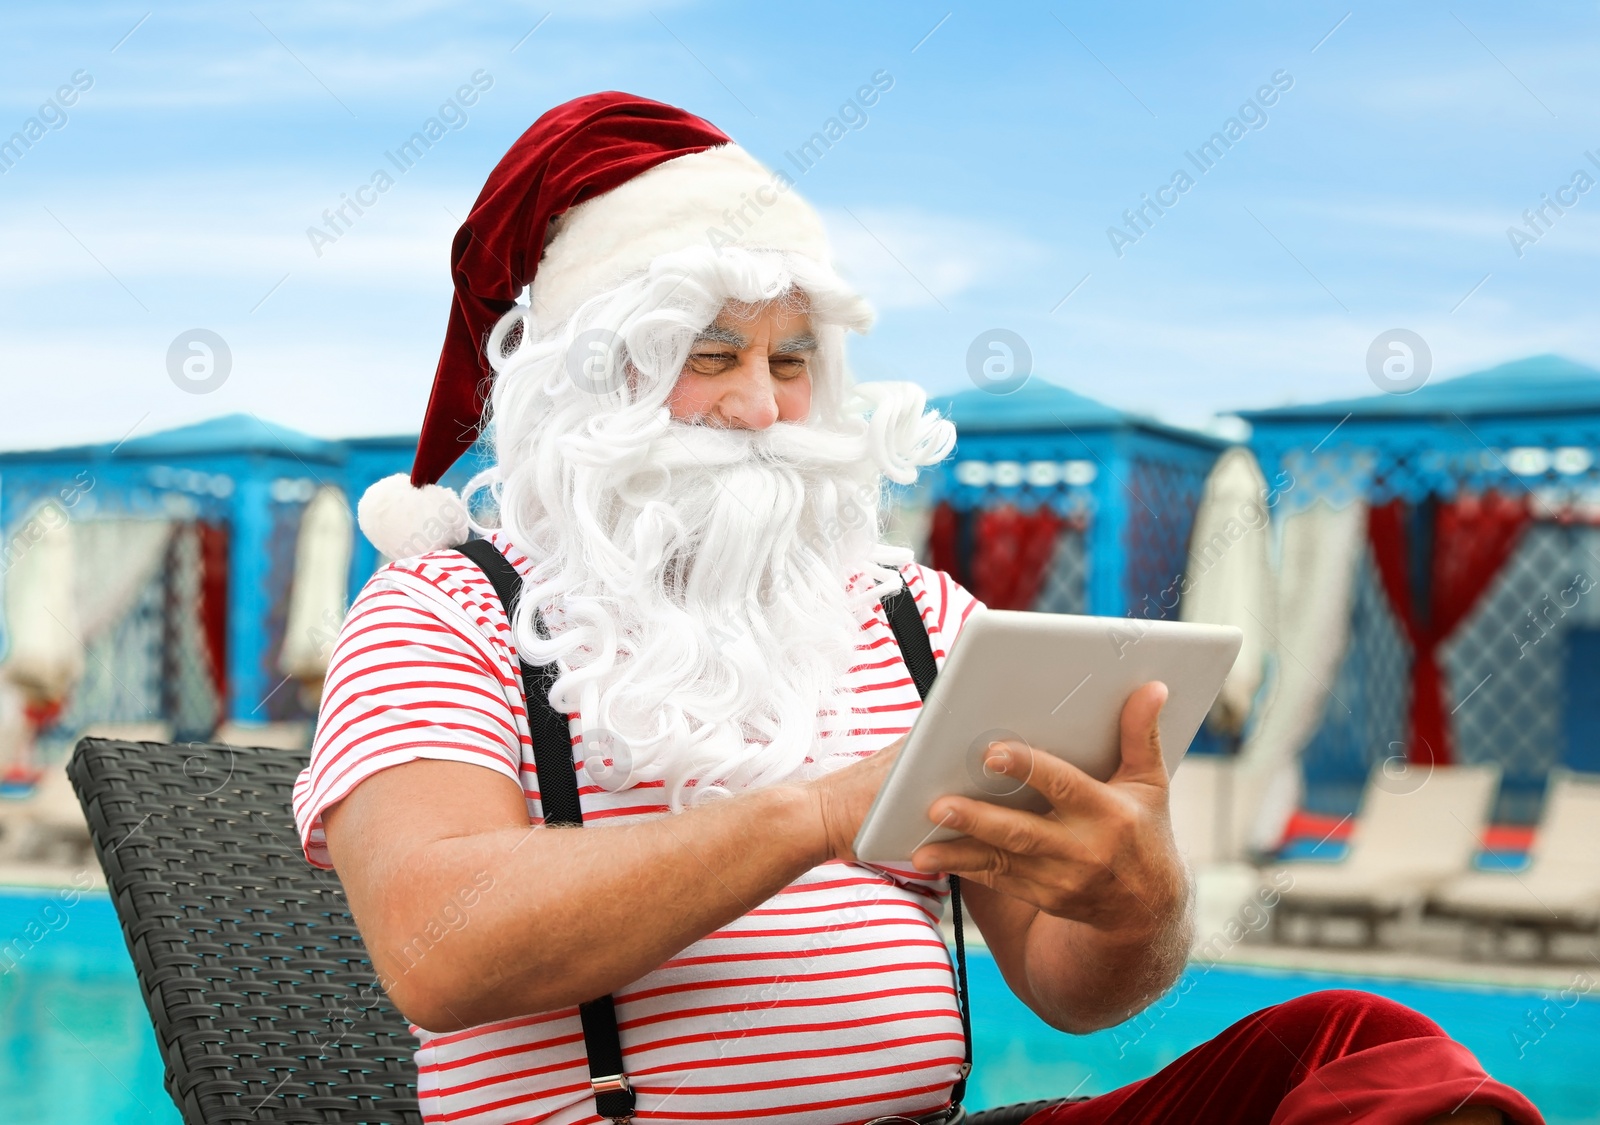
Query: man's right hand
[[843, 797]]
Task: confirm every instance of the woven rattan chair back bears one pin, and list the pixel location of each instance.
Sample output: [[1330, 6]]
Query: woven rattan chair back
[[265, 1005]]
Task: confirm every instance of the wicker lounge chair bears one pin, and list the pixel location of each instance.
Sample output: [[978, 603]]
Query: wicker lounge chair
[[1417, 829], [262, 995], [1560, 887]]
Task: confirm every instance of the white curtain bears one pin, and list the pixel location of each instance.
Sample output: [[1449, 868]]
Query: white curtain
[[116, 559], [46, 653], [16, 737], [320, 586], [910, 515], [1320, 551], [1294, 611], [1230, 576]]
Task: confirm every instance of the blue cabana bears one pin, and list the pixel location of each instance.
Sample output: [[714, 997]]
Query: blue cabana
[[1482, 499], [232, 490], [1092, 505]]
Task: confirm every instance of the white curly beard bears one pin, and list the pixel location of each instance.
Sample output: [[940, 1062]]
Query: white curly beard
[[704, 587]]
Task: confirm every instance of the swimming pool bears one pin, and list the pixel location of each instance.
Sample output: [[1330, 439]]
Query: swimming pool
[[76, 1046]]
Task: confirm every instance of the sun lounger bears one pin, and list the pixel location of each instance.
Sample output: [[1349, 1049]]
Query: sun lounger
[[42, 833], [289, 735], [1417, 830], [1560, 887]]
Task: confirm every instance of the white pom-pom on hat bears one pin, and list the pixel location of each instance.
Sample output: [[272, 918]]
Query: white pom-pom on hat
[[403, 521]]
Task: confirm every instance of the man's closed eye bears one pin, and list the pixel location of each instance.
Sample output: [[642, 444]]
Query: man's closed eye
[[712, 363], [787, 366]]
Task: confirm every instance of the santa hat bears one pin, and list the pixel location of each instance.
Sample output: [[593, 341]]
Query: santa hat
[[629, 179]]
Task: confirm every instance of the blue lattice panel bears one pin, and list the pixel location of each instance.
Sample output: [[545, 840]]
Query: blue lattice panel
[[1066, 582], [1364, 715], [1505, 665], [1556, 458], [1163, 495], [121, 675]]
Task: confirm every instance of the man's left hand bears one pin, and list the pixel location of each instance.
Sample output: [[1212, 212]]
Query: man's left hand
[[1103, 856]]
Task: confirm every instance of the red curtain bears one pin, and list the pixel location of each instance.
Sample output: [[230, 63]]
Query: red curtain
[[1471, 539], [1010, 555], [1000, 554], [214, 604], [944, 539]]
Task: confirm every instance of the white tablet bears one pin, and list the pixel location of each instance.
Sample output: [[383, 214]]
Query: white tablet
[[1055, 682]]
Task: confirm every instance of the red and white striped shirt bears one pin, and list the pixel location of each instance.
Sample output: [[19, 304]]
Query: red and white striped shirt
[[830, 1003]]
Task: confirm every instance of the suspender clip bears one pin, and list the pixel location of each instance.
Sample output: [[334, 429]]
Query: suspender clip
[[613, 1097], [610, 1084]]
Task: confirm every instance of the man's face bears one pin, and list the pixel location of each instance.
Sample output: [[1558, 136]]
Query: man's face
[[749, 369]]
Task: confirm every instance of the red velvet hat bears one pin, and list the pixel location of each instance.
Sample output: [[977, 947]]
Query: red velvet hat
[[627, 179]]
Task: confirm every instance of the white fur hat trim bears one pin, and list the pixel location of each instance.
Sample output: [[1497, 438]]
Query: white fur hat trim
[[719, 197]]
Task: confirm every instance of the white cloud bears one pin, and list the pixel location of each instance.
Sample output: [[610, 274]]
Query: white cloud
[[331, 383], [908, 258], [246, 235], [1576, 231]]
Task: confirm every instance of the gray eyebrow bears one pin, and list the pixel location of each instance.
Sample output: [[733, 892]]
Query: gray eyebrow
[[804, 342], [716, 334]]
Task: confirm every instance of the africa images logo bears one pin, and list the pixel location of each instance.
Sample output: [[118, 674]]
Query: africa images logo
[[451, 117], [52, 116], [1251, 117]]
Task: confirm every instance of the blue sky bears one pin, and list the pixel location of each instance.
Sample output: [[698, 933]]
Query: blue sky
[[978, 195]]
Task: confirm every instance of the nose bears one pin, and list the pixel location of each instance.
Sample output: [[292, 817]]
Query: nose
[[749, 401]]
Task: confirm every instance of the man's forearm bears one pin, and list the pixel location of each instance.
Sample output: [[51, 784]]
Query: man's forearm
[[573, 914], [1084, 979]]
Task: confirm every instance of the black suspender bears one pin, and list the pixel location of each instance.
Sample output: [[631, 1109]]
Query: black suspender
[[552, 736], [558, 795], [911, 633]]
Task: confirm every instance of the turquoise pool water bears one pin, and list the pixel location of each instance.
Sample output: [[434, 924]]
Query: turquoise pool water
[[76, 1047], [75, 1043]]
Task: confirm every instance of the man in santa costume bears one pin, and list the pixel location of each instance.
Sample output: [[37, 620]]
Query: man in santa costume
[[687, 484]]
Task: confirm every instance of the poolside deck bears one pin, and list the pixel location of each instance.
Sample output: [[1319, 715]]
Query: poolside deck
[[1416, 949], [1431, 950]]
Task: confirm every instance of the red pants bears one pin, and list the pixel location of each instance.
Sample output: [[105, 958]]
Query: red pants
[[1333, 1056]]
